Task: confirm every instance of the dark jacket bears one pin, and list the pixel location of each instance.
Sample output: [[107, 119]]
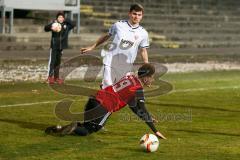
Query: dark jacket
[[59, 40]]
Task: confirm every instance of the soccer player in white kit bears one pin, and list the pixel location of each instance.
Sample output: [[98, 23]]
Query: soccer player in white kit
[[126, 37]]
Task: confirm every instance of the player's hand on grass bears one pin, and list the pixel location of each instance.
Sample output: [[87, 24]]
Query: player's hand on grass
[[160, 135], [154, 120]]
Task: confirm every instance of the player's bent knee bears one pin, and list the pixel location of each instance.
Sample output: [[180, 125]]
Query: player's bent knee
[[81, 131]]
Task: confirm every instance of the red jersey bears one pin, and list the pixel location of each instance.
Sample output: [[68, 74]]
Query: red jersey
[[118, 95]]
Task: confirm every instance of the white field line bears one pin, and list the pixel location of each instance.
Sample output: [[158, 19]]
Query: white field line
[[174, 91], [205, 89], [30, 104]]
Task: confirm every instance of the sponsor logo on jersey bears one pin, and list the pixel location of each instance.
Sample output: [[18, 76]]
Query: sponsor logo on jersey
[[125, 44]]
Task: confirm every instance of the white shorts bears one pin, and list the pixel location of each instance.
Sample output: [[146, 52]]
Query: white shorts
[[112, 74], [107, 76]]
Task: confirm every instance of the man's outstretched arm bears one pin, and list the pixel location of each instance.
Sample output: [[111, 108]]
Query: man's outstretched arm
[[100, 41]]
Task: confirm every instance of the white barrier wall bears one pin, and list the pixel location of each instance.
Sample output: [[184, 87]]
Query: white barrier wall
[[72, 6], [1, 2], [66, 5]]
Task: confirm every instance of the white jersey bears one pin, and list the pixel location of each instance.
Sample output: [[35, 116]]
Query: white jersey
[[126, 40], [121, 51]]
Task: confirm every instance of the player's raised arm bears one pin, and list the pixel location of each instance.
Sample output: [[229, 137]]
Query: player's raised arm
[[100, 41]]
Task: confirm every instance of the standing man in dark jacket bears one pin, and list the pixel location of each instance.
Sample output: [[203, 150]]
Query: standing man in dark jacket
[[60, 29]]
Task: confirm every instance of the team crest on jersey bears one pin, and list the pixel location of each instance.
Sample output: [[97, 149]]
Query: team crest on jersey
[[136, 37]]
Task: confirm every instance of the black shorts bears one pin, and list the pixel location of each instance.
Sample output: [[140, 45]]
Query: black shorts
[[95, 115]]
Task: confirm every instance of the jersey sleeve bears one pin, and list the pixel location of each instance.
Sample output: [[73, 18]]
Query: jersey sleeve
[[138, 107], [113, 29], [48, 27], [145, 41], [70, 24]]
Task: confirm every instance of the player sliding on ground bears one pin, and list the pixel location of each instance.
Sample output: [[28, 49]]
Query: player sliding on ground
[[129, 90]]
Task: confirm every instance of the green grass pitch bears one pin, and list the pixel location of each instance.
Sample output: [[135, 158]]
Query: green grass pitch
[[200, 118]]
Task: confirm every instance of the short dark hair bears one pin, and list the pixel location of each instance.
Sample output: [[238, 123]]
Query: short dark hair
[[136, 7], [60, 14], [146, 70]]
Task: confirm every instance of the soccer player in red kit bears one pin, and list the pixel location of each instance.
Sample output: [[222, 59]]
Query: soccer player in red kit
[[127, 91]]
